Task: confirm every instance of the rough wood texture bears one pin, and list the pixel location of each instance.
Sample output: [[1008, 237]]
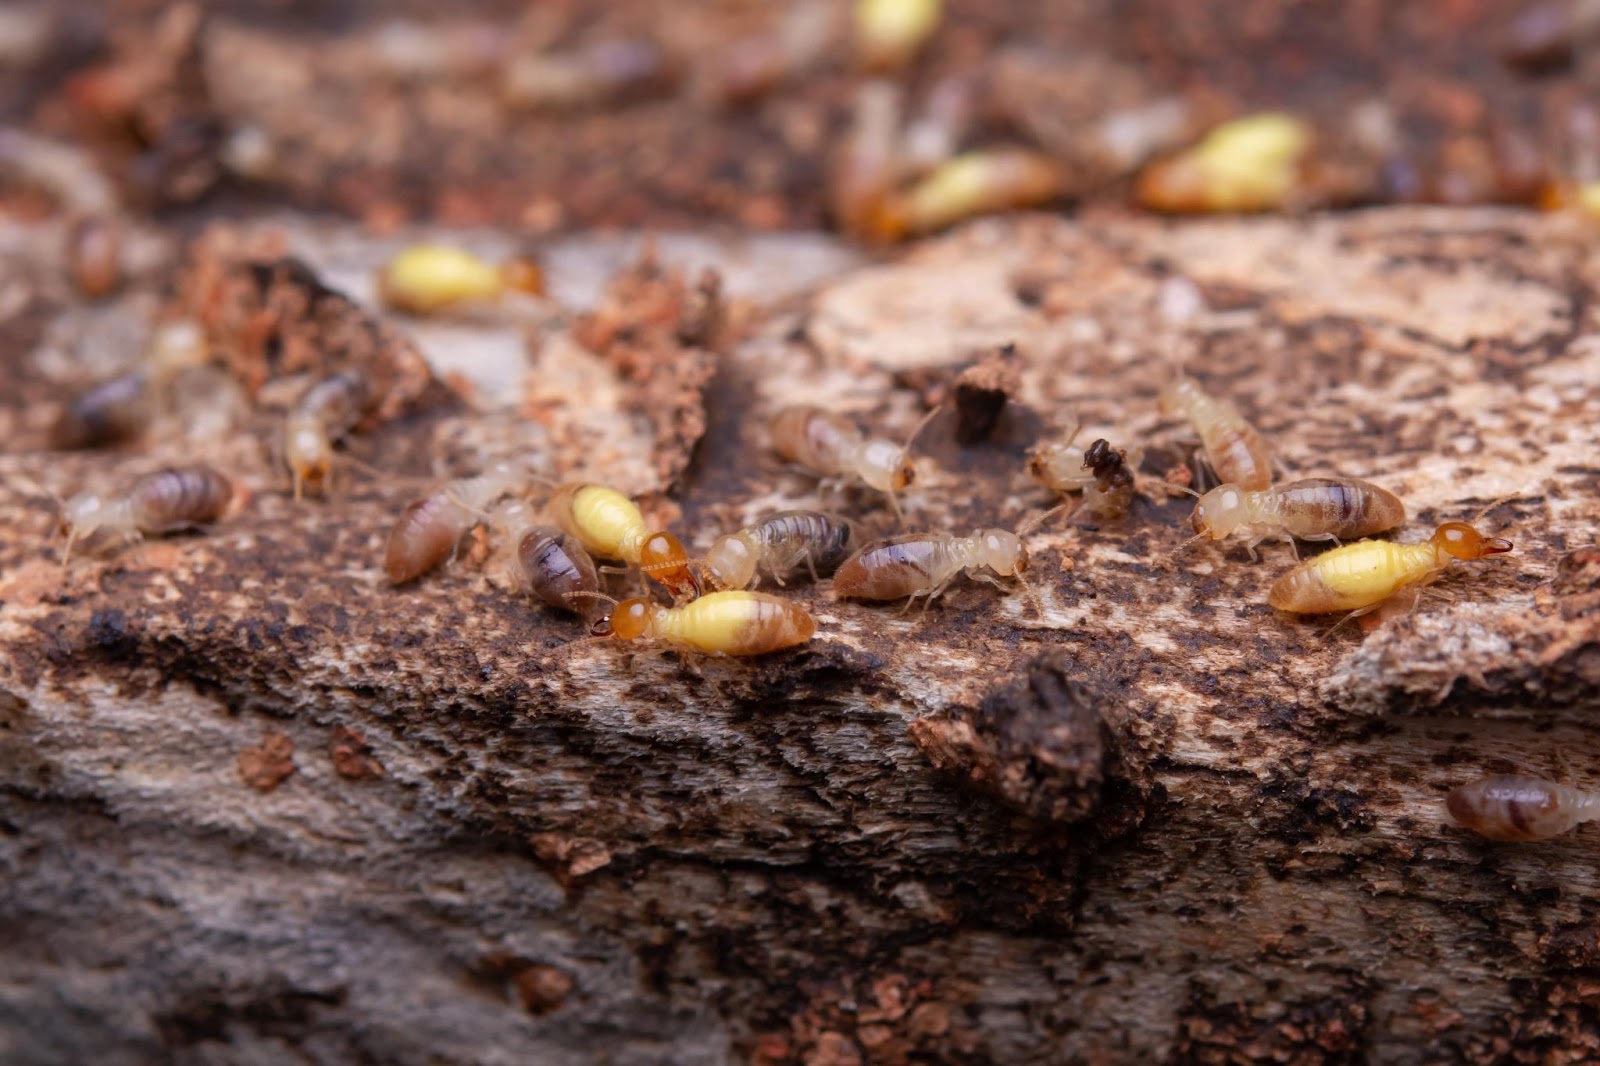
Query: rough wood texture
[[1157, 821]]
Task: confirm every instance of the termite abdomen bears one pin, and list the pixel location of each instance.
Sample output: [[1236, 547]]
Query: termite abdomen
[[420, 540], [109, 412], [558, 570], [178, 498], [1521, 808]]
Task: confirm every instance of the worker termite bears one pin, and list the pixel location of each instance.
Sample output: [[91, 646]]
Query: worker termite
[[1313, 508], [924, 564], [429, 529], [751, 67], [600, 73], [326, 412], [867, 165], [1233, 447], [610, 526], [1105, 475], [1359, 577], [163, 502], [427, 278], [1509, 807], [545, 561], [832, 447], [1249, 164], [890, 33], [718, 623], [974, 183], [111, 411], [784, 544]]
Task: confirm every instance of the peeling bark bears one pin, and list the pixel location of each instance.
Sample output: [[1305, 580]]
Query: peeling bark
[[1151, 821]]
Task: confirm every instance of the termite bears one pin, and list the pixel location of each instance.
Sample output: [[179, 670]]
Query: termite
[[867, 164], [1249, 164], [1234, 448], [890, 33], [545, 561], [974, 183], [1509, 807], [1359, 577], [163, 502], [610, 526], [832, 447], [923, 565], [1313, 508], [1105, 475], [604, 72], [111, 411], [428, 530], [750, 68], [427, 278], [784, 545], [718, 623], [327, 411]]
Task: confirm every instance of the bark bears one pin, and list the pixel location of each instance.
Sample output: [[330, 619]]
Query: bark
[[257, 806]]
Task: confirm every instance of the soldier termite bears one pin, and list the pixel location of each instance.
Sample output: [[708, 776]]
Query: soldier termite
[[923, 565], [1359, 577], [832, 447], [610, 526], [163, 502], [545, 561], [718, 623], [1233, 447], [1105, 475], [1314, 508], [428, 530], [1509, 807], [427, 278], [784, 545], [1249, 164], [974, 183], [326, 412]]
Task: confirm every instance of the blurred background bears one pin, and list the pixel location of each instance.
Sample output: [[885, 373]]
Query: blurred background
[[881, 118]]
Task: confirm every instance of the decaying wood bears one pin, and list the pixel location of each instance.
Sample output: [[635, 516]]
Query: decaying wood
[[1152, 821]]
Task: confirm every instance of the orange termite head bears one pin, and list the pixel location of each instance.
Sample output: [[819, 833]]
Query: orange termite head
[[627, 621], [663, 558], [1463, 542]]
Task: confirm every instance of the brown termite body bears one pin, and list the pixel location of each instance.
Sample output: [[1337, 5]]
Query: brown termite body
[[834, 448], [610, 526], [732, 622], [1105, 475], [1313, 508], [545, 561], [163, 502], [428, 530], [1234, 448], [1359, 577], [111, 411], [923, 565], [1506, 807], [785, 545], [327, 411]]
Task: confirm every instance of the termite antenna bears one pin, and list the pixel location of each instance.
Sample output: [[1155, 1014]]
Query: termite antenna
[[1040, 519]]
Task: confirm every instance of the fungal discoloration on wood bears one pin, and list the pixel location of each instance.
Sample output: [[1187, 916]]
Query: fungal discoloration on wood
[[658, 830]]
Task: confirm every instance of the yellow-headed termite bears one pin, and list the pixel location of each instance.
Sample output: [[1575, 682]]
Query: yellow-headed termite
[[1233, 447], [326, 412], [428, 278], [1246, 165], [610, 526], [1313, 508], [832, 447], [163, 502], [718, 623], [545, 561], [1359, 577], [428, 530], [1506, 807], [975, 183], [784, 545]]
